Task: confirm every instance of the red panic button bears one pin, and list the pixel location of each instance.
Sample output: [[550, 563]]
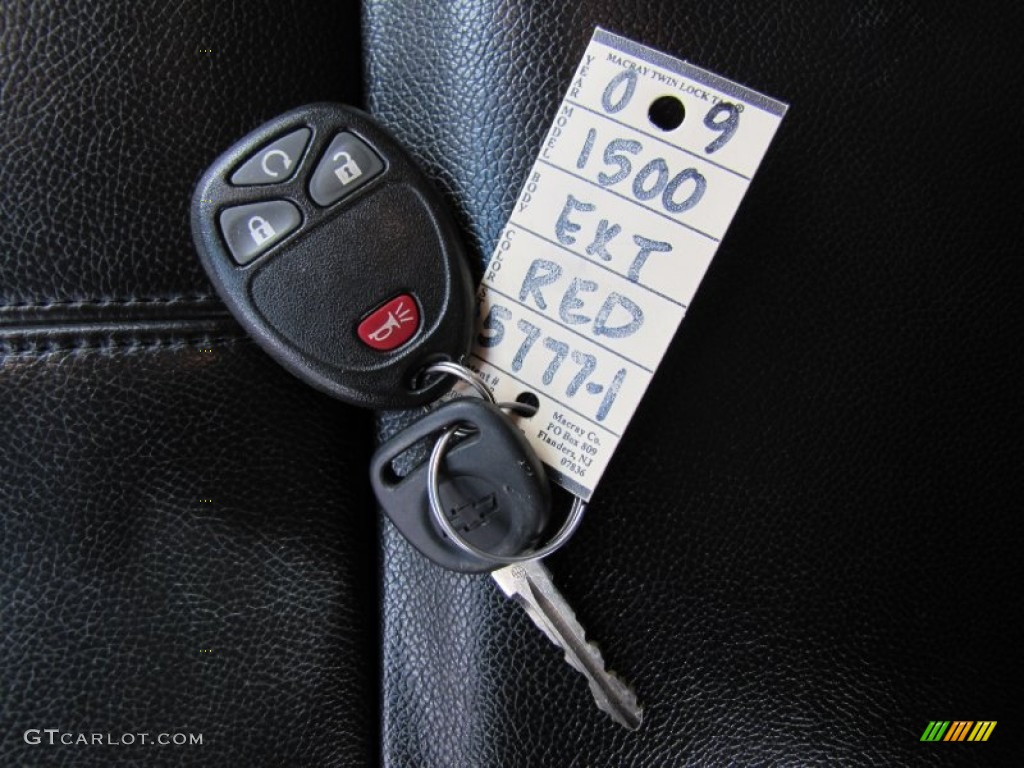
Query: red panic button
[[392, 325]]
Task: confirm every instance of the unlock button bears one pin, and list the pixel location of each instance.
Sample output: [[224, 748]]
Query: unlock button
[[346, 165]]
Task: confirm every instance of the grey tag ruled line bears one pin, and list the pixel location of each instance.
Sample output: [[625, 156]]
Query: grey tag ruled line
[[690, 71]]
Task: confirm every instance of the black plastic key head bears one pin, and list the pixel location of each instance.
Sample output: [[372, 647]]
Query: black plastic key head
[[330, 246], [493, 487]]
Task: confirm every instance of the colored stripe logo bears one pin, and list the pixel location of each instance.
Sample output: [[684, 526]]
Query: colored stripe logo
[[958, 730]]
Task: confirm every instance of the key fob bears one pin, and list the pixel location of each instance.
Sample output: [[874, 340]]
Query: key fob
[[334, 252], [493, 487]]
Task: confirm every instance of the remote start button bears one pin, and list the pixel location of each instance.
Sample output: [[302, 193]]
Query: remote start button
[[392, 325], [275, 162]]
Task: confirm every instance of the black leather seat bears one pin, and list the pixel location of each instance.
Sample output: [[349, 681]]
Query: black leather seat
[[187, 531], [806, 548]]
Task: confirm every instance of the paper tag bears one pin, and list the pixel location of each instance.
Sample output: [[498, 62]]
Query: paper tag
[[613, 231]]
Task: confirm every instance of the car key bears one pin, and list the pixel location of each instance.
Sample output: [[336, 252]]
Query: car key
[[328, 244], [503, 458], [530, 584]]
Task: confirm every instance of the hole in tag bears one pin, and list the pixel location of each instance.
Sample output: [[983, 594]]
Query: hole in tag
[[666, 113], [530, 399]]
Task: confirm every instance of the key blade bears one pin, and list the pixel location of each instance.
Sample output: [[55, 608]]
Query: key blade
[[530, 584]]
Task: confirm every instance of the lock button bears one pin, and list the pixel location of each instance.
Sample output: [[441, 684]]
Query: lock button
[[249, 230], [347, 164]]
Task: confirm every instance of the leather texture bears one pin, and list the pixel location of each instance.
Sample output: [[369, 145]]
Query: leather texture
[[186, 535], [184, 551], [112, 110], [808, 544]]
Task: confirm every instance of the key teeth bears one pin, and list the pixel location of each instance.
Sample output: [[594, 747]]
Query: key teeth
[[632, 715], [629, 714], [624, 710]]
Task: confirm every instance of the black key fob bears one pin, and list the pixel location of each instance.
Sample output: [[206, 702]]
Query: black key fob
[[331, 248]]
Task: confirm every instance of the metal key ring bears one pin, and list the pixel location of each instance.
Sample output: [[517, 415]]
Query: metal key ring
[[572, 522], [463, 373], [466, 374]]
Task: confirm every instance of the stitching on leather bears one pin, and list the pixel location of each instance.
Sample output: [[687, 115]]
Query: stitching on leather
[[42, 349], [104, 301]]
